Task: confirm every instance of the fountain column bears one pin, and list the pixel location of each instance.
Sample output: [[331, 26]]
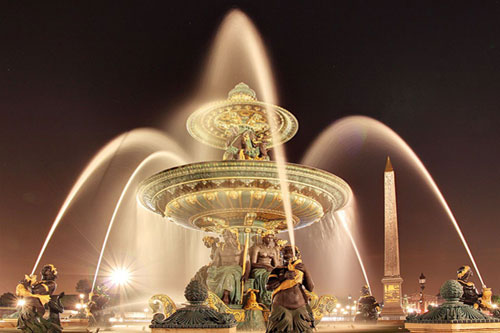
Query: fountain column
[[392, 280]]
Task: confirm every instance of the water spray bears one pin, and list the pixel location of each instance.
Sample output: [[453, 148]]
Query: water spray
[[342, 217], [148, 159]]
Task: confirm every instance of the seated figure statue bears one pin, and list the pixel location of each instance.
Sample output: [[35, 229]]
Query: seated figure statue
[[290, 311], [37, 297], [264, 258], [212, 243], [225, 274], [471, 296], [368, 307]]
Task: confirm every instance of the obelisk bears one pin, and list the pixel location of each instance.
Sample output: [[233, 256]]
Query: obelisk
[[392, 280]]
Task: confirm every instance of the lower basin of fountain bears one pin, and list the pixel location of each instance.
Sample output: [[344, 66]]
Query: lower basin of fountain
[[209, 196]]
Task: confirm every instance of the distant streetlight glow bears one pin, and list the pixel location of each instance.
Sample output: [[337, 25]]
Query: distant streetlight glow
[[120, 276], [21, 302]]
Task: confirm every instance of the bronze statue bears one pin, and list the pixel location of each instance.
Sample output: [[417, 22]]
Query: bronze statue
[[264, 258], [212, 243], [96, 307], [37, 297], [471, 296], [290, 310], [233, 145], [261, 143], [367, 308], [244, 144], [224, 276]]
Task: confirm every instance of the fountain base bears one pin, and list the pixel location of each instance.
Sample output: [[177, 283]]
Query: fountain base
[[451, 327], [452, 315], [194, 330]]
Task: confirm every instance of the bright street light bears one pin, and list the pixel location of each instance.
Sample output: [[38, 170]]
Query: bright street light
[[21, 302], [120, 276]]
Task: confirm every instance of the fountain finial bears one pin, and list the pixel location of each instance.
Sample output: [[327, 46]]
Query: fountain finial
[[242, 92], [388, 165]]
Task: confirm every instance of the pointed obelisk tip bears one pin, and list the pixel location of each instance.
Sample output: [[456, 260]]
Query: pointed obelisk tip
[[388, 165]]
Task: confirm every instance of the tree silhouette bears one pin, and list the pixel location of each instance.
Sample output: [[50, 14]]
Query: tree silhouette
[[8, 299], [83, 286]]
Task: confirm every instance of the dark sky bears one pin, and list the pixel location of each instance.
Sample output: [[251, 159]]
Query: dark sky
[[74, 75]]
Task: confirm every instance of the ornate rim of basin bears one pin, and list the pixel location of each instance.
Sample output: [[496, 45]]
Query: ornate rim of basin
[[215, 195], [212, 123]]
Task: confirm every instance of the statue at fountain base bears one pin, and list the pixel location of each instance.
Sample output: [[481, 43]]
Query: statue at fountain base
[[368, 308], [97, 314], [291, 311], [37, 296]]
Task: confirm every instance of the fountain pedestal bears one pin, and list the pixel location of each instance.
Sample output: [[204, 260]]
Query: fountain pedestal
[[450, 327], [194, 330], [195, 317], [452, 315]]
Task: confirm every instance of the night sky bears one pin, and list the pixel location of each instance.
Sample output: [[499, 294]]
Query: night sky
[[74, 75]]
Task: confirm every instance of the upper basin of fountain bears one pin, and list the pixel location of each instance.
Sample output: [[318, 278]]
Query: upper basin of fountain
[[215, 195], [212, 124]]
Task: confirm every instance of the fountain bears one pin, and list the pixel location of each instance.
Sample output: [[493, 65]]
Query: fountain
[[246, 198], [240, 198]]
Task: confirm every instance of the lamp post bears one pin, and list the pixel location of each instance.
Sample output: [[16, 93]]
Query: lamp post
[[351, 307], [421, 281]]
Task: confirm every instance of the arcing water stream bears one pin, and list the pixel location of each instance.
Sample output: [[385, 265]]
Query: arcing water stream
[[153, 156], [342, 216], [335, 137], [99, 159], [102, 159]]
